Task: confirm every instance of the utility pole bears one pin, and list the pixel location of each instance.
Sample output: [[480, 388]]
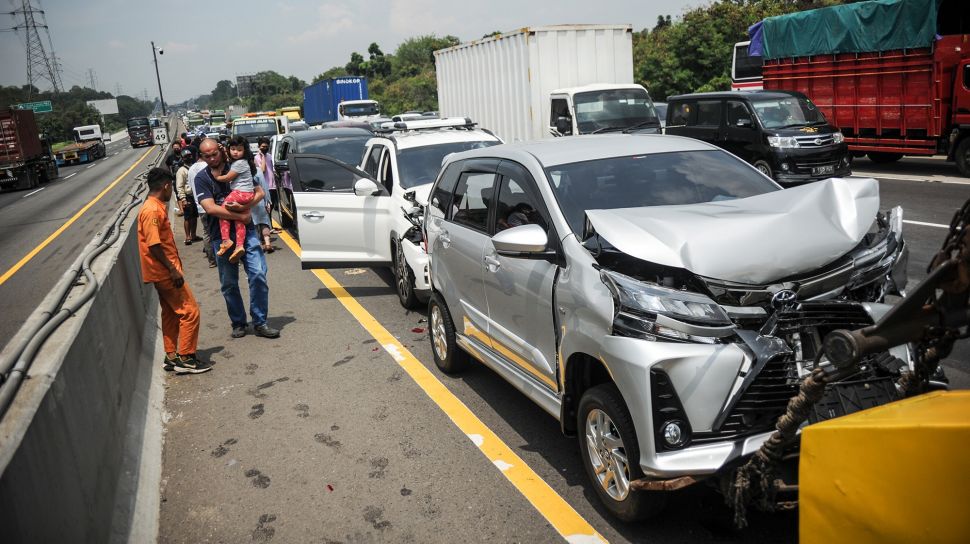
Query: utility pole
[[40, 64], [117, 89], [157, 77]]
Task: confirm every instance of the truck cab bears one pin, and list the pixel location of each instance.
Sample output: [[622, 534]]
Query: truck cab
[[600, 108], [358, 110]]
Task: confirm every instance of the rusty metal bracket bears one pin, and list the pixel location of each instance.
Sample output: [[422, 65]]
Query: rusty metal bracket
[[673, 484]]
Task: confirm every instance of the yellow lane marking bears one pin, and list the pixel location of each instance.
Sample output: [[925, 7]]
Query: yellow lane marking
[[566, 520], [20, 264]]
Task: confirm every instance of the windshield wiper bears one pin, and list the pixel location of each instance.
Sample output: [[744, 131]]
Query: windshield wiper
[[793, 125], [641, 124], [605, 129]]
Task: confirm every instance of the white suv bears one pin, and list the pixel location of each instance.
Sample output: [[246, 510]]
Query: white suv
[[370, 216]]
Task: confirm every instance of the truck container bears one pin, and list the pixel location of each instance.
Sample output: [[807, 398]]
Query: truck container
[[321, 100], [505, 82], [899, 84], [25, 156]]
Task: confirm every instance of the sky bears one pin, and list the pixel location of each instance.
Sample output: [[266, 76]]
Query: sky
[[207, 41]]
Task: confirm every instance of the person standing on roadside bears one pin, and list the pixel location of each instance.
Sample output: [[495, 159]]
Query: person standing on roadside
[[186, 199], [210, 195], [264, 164], [194, 170], [161, 266]]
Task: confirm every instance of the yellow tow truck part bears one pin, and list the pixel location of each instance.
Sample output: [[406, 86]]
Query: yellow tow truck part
[[895, 473]]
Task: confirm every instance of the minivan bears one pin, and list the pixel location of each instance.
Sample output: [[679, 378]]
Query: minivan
[[781, 133]]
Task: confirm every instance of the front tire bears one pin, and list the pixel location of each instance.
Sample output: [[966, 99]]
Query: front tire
[[962, 156], [448, 357], [764, 168], [880, 157], [611, 454], [404, 278]]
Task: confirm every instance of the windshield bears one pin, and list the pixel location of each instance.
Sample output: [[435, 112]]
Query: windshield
[[615, 109], [787, 112], [420, 165], [132, 123], [251, 130], [355, 110], [660, 179], [346, 150]]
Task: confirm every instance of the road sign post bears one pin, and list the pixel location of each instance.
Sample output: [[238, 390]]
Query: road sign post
[[160, 135], [38, 107]]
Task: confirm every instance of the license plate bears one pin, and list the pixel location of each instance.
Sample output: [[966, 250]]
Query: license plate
[[822, 170], [7, 180]]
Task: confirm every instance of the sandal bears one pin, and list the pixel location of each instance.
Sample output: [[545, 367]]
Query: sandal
[[188, 242]]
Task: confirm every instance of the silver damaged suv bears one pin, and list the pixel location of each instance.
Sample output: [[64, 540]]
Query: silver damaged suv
[[657, 295]]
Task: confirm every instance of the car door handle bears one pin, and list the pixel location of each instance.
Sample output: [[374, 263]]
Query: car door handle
[[492, 263], [313, 215], [445, 240]]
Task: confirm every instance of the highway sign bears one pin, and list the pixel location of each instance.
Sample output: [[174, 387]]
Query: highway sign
[[161, 135], [38, 107]]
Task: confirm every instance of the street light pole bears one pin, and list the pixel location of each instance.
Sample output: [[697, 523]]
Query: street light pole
[[157, 77]]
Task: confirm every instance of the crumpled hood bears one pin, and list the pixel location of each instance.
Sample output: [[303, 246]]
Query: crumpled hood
[[753, 240]]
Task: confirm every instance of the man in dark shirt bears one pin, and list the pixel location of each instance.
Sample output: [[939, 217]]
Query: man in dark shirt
[[210, 194]]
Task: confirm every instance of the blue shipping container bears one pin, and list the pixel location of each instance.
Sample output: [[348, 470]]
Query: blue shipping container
[[320, 100]]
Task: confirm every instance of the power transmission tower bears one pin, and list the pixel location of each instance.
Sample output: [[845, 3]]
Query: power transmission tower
[[92, 79], [41, 64], [117, 89]]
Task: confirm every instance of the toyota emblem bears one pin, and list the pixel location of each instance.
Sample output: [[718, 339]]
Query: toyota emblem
[[783, 299], [818, 141]]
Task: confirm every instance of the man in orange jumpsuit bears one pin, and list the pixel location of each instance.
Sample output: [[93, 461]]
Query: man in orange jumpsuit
[[161, 266]]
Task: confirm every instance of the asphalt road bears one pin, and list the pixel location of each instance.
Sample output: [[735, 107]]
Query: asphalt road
[[324, 436], [28, 219]]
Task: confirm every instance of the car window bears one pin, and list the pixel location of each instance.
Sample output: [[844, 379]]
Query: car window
[[345, 150], [370, 166], [737, 111], [441, 196], [316, 174], [680, 114], [708, 113], [515, 207], [386, 172], [420, 165], [658, 179], [472, 197]]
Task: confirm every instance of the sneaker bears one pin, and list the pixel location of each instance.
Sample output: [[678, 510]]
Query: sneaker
[[188, 364], [168, 363], [266, 331], [224, 247], [212, 264], [234, 257], [238, 332]]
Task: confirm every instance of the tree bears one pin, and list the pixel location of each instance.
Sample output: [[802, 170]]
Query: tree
[[331, 73], [354, 66]]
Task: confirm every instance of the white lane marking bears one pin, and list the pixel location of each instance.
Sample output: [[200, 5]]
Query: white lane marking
[[477, 439], [502, 465], [910, 177], [69, 176], [937, 225], [33, 192], [90, 166]]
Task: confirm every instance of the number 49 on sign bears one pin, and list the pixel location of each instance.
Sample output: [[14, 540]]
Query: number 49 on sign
[[161, 136]]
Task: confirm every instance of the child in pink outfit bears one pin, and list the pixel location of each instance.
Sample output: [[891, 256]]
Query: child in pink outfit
[[240, 180]]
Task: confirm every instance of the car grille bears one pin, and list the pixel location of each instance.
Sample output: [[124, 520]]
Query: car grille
[[815, 163], [766, 396], [815, 140]]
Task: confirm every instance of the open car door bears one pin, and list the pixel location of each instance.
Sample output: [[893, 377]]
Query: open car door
[[342, 214]]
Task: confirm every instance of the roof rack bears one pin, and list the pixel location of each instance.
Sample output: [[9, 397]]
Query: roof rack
[[428, 124]]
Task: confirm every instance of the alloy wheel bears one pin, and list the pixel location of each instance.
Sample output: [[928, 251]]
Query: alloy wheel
[[438, 335], [607, 455], [401, 271]]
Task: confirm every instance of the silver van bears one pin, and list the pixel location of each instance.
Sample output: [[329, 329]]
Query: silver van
[[657, 295]]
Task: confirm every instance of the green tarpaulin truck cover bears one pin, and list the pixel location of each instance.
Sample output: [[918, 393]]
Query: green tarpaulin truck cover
[[878, 25]]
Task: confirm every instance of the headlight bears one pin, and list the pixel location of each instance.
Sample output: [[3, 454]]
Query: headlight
[[837, 138], [646, 310], [783, 142]]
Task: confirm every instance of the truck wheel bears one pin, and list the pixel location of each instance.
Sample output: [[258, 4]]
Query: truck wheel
[[764, 168], [962, 156], [880, 157], [448, 357], [611, 454], [404, 278]]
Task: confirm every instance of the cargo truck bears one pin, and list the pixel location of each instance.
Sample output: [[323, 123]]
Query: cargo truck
[[546, 81], [322, 100], [88, 146], [893, 76], [140, 132], [25, 155]]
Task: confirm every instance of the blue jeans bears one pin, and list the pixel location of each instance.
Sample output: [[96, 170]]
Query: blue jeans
[[255, 264]]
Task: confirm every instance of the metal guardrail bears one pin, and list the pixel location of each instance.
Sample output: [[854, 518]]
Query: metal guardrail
[[15, 365]]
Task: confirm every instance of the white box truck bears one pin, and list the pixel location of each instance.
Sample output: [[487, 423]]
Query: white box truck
[[537, 82]]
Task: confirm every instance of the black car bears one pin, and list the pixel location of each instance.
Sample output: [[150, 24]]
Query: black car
[[781, 133], [344, 144]]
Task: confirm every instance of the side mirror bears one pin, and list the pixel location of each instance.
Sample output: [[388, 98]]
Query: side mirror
[[743, 123], [281, 166], [366, 187], [524, 241], [564, 125]]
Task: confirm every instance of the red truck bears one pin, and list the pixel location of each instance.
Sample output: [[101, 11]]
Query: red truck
[[26, 160], [893, 76]]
